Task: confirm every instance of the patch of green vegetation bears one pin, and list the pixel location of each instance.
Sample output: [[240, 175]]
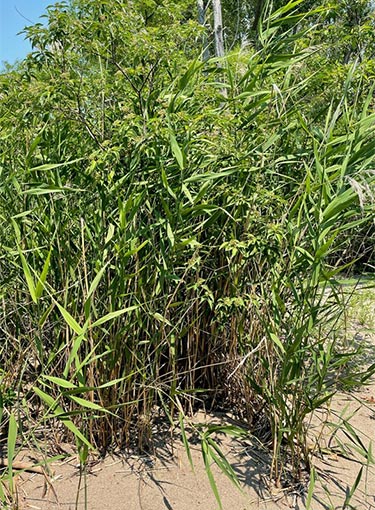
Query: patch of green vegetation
[[170, 228], [361, 308]]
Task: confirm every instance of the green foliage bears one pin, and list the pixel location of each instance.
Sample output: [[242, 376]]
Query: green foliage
[[160, 240]]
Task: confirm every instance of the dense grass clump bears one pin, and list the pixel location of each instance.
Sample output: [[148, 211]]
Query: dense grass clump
[[164, 246]]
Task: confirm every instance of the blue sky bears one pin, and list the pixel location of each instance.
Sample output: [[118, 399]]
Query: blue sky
[[12, 21]]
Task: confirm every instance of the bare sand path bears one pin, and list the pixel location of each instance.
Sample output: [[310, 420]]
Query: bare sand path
[[165, 481]]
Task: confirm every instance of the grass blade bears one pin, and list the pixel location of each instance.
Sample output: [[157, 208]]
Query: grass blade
[[11, 444]]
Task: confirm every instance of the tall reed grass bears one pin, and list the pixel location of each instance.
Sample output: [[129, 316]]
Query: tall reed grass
[[177, 249]]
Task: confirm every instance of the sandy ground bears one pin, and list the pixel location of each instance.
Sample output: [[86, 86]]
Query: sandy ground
[[165, 480]]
